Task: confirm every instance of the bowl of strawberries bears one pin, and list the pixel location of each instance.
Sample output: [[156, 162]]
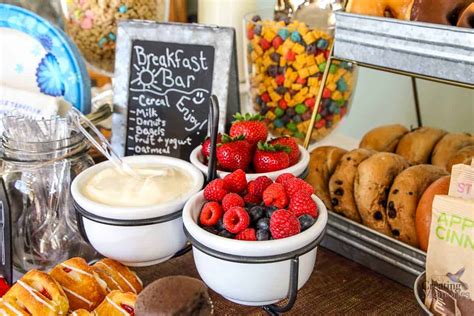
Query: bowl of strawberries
[[247, 250], [248, 148]]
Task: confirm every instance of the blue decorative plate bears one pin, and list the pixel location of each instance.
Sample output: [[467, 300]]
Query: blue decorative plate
[[39, 57]]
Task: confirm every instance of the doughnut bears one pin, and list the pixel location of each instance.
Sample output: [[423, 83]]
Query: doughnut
[[117, 304], [466, 19], [117, 276], [399, 9], [82, 285], [38, 294], [438, 11]]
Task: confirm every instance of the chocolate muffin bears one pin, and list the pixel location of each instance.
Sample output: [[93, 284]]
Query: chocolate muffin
[[174, 295]]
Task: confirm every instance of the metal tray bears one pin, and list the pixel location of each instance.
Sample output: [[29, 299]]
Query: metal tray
[[392, 258], [435, 51]]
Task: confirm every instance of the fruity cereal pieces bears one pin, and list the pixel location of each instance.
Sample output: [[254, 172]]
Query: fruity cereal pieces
[[286, 62]]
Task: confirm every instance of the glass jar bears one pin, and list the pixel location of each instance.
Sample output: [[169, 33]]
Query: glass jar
[[92, 25], [37, 177], [285, 64]]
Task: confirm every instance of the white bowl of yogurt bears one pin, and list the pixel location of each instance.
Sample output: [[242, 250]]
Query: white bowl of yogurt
[[136, 219]]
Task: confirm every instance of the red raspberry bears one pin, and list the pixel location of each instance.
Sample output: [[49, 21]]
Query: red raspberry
[[249, 198], [257, 186], [294, 185], [246, 234], [284, 224], [282, 178], [231, 200], [302, 203], [210, 214], [236, 181], [236, 219], [215, 190], [275, 195]]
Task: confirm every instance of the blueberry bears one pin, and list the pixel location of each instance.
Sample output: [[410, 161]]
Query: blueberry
[[256, 213], [263, 234], [211, 230], [220, 225], [306, 221], [263, 224], [269, 211], [224, 233]]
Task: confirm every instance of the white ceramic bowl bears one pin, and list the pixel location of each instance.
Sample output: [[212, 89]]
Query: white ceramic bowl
[[254, 284], [297, 169], [132, 245]]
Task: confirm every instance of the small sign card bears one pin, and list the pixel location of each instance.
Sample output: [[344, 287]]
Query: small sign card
[[164, 76]]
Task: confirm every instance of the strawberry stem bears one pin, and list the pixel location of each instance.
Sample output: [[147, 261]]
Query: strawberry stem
[[238, 117], [268, 147], [227, 139]]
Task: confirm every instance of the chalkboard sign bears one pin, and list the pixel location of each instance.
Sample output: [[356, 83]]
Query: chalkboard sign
[[164, 76], [170, 86]]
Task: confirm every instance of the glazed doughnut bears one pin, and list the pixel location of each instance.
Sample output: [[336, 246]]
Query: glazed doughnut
[[11, 308], [82, 285], [117, 304], [399, 9], [466, 19], [438, 11], [117, 276], [39, 294]]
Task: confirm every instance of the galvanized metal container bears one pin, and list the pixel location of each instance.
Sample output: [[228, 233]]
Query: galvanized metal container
[[437, 51], [388, 256]]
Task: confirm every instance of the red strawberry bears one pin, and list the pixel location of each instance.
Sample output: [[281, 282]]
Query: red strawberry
[[275, 195], [269, 158], [289, 142], [296, 184], [251, 126], [282, 178], [231, 200], [215, 190], [206, 146], [257, 186], [247, 234], [234, 153], [236, 219], [236, 181], [302, 203], [284, 224], [210, 214], [252, 199]]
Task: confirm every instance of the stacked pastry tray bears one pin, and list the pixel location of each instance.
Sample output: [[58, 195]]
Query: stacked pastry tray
[[431, 51]]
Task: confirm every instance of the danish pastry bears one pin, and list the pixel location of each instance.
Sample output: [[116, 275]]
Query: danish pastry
[[117, 303], [38, 294], [371, 186], [448, 146], [399, 9], [117, 276], [383, 138], [341, 184], [81, 283], [321, 166], [9, 307], [416, 146], [82, 312], [403, 199]]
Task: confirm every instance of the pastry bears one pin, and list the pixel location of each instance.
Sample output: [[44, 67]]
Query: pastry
[[9, 307], [416, 146], [399, 9], [81, 283], [463, 156], [174, 295], [438, 11], [424, 208], [82, 312], [39, 294], [403, 198], [383, 138], [341, 184], [117, 303], [466, 19], [448, 146], [371, 186], [322, 164], [117, 276]]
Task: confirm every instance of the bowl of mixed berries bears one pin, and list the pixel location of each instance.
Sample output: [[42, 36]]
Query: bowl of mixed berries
[[247, 234], [247, 147]]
